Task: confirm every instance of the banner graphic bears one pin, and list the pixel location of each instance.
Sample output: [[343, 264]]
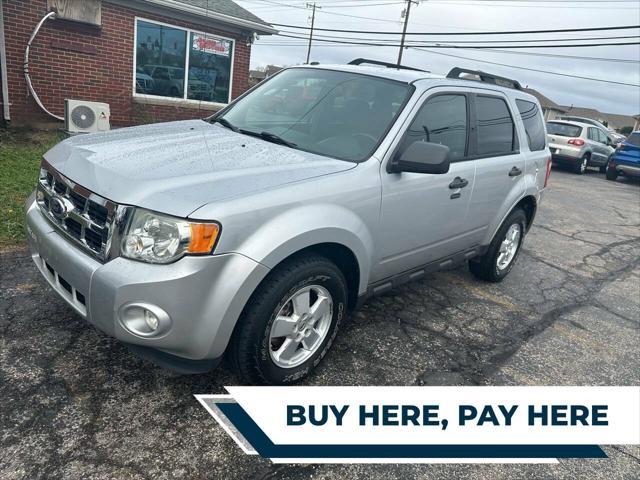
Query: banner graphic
[[427, 424]]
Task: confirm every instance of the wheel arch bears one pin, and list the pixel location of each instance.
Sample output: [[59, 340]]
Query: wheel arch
[[528, 203]]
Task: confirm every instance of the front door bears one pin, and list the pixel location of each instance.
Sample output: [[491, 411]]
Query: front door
[[423, 216]]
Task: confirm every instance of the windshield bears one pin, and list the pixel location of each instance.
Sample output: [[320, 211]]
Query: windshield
[[634, 139], [563, 129], [332, 113]]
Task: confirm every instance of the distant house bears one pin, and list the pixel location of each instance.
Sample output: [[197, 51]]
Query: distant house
[[550, 109], [636, 125], [256, 76]]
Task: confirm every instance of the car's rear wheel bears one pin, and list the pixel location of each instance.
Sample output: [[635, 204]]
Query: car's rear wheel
[[583, 163], [503, 250], [290, 322], [611, 172]]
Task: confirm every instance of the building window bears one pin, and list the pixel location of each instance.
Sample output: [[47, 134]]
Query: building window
[[168, 58]]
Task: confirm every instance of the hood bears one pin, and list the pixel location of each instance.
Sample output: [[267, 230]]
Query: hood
[[177, 167]]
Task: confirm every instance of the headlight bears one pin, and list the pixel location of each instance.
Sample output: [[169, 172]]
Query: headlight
[[155, 238]]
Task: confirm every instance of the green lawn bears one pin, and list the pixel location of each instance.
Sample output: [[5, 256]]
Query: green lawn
[[20, 155]]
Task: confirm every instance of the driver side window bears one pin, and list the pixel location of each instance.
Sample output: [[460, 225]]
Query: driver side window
[[442, 120]]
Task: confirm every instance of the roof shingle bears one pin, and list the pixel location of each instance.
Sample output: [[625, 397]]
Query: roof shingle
[[225, 7]]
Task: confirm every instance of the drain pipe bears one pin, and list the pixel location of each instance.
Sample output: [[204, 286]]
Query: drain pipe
[[26, 66], [3, 71]]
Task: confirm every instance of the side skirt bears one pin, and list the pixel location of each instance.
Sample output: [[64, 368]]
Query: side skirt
[[384, 285]]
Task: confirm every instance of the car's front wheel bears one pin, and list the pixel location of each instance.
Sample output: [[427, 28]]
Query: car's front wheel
[[290, 322], [503, 250]]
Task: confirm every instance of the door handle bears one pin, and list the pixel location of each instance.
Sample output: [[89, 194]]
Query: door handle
[[458, 183], [514, 172]]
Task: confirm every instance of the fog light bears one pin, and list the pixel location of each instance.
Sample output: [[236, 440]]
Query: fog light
[[144, 320], [151, 320]]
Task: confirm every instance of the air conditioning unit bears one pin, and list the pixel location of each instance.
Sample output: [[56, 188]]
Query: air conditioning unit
[[86, 117]]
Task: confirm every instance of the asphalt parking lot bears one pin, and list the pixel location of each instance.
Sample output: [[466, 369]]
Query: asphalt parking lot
[[76, 404]]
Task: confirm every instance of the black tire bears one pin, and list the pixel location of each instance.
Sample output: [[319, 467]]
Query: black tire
[[486, 266], [249, 348], [578, 168], [602, 168], [611, 173]]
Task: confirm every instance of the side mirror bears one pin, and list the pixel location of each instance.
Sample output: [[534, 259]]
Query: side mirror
[[422, 157]]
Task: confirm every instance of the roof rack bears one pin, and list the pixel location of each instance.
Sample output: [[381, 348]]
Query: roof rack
[[485, 77], [360, 61]]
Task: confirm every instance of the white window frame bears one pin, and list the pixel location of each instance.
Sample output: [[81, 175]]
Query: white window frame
[[184, 99]]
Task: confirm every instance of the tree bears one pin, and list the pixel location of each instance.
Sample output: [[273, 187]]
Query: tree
[[626, 130]]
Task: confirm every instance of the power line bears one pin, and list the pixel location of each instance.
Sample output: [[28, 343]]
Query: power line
[[535, 54], [438, 45], [512, 32], [575, 39], [528, 69]]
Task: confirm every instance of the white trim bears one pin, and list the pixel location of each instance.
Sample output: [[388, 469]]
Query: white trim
[[3, 70], [203, 12], [189, 31], [144, 99]]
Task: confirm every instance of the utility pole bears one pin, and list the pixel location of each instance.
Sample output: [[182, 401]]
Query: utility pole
[[313, 21], [404, 29]]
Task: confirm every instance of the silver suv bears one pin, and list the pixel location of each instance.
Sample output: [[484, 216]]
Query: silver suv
[[579, 145], [253, 233]]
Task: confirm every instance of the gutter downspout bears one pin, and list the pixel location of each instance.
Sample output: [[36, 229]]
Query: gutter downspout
[[3, 70]]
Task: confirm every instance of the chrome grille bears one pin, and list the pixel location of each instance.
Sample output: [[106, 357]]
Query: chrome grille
[[81, 215]]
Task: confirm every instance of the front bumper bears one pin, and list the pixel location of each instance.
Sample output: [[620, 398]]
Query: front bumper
[[203, 296]]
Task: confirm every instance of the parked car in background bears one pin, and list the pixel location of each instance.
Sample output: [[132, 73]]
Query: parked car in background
[[144, 82], [626, 159], [579, 145], [617, 138], [169, 81], [590, 121]]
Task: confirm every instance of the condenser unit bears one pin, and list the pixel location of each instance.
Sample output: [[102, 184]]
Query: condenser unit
[[86, 117]]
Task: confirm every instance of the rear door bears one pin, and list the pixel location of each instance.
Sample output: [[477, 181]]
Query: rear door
[[500, 166], [604, 146], [535, 147]]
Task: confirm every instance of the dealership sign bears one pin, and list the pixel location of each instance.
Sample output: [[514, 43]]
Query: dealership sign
[[208, 44], [427, 424]]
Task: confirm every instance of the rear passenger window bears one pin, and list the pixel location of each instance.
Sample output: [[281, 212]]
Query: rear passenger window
[[496, 131], [533, 125], [442, 119]]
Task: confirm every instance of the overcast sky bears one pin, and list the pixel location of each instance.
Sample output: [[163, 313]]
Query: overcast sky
[[474, 16]]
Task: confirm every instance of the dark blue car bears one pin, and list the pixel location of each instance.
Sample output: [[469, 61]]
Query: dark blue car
[[626, 159]]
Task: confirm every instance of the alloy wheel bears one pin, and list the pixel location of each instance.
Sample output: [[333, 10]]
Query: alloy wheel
[[300, 326], [509, 246]]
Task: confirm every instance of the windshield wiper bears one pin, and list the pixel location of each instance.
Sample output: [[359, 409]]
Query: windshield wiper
[[270, 137], [226, 123]]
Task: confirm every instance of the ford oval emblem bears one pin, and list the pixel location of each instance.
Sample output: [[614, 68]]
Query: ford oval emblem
[[58, 208]]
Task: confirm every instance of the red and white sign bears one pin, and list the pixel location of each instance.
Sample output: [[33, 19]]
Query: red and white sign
[[207, 44]]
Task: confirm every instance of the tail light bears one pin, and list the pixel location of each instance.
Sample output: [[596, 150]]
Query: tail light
[[578, 142], [548, 172]]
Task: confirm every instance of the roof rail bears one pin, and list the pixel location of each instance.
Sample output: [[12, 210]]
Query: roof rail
[[485, 77], [360, 61]]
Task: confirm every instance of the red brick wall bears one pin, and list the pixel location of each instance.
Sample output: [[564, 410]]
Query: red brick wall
[[70, 60]]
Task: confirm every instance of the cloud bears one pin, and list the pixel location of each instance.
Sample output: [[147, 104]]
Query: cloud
[[474, 16]]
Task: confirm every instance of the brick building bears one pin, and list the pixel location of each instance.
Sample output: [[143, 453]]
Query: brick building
[[150, 60]]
